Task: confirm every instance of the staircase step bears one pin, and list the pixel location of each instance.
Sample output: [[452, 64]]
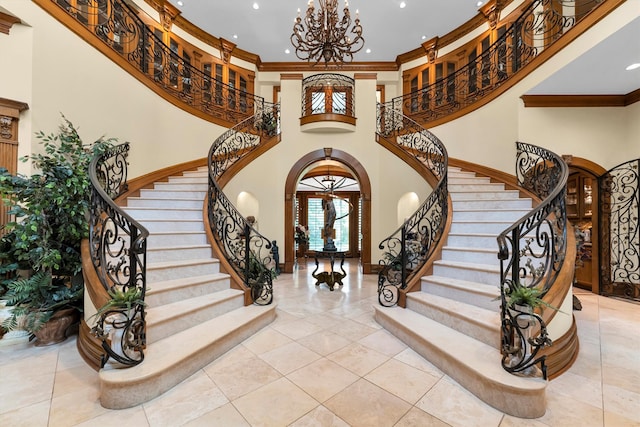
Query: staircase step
[[511, 215], [171, 360], [457, 196], [483, 186], [177, 238], [476, 322], [178, 253], [148, 202], [478, 294], [170, 319], [474, 255], [479, 226], [196, 174], [467, 180], [168, 291], [202, 178], [160, 271], [177, 186], [473, 240], [173, 194], [481, 273], [507, 203], [141, 214], [473, 364], [173, 225]]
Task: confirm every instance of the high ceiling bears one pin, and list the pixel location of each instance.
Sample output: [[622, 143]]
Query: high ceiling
[[390, 30]]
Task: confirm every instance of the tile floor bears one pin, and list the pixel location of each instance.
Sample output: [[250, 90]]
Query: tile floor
[[325, 362]]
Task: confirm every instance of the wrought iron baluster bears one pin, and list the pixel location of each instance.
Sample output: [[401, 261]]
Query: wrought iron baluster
[[411, 245], [531, 253], [117, 246]]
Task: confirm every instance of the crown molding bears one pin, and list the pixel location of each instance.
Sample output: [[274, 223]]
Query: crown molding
[[7, 21], [568, 101]]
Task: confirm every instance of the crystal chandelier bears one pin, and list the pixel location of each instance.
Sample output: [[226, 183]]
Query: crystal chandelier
[[323, 35]]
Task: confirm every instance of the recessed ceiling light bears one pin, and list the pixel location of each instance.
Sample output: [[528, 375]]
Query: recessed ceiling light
[[287, 51], [424, 37], [235, 36], [180, 3], [633, 66], [402, 5], [479, 3], [256, 6], [368, 51]]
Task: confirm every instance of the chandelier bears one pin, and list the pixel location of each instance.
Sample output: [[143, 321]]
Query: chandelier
[[323, 35]]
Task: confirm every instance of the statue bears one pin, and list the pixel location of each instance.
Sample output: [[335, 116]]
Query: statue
[[329, 219], [276, 256]]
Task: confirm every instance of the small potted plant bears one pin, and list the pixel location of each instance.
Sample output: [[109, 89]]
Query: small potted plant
[[525, 299], [114, 319]]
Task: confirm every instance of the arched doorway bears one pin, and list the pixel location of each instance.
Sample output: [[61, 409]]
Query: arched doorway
[[582, 212], [360, 174]]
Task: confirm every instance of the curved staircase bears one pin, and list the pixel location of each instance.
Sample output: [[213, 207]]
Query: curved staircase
[[454, 321], [192, 314]]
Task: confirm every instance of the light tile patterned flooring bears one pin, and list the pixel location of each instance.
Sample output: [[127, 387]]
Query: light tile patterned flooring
[[325, 362]]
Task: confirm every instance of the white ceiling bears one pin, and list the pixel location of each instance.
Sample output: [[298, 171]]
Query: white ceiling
[[389, 30]]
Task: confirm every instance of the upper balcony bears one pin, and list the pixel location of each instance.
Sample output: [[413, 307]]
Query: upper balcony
[[328, 103]]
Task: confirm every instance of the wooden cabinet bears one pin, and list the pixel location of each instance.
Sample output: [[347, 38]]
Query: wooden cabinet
[[581, 189]]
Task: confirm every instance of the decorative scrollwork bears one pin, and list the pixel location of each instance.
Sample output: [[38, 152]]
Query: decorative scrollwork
[[620, 231], [410, 246], [118, 252], [328, 93], [532, 252], [248, 252], [121, 28], [539, 25]]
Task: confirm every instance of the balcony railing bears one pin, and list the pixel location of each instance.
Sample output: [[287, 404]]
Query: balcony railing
[[120, 28], [540, 24], [328, 97], [407, 250]]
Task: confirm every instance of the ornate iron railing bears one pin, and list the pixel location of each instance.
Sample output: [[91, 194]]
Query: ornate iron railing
[[120, 27], [251, 255], [411, 245], [620, 231], [531, 253], [328, 94], [541, 23], [118, 246]]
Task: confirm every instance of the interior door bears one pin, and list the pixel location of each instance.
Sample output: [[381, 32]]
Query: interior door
[[620, 232]]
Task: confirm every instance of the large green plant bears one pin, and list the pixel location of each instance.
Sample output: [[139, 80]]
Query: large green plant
[[51, 211]]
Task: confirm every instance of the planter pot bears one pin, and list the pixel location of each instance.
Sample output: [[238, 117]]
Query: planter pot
[[55, 330]]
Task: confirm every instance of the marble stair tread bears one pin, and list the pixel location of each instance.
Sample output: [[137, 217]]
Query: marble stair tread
[[477, 322], [171, 360], [181, 263], [172, 318], [473, 364], [208, 283], [479, 294], [469, 265]]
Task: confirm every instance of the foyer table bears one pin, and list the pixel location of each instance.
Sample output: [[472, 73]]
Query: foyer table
[[332, 277]]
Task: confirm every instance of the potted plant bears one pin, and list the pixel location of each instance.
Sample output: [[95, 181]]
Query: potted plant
[[114, 320], [40, 252], [526, 299]]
